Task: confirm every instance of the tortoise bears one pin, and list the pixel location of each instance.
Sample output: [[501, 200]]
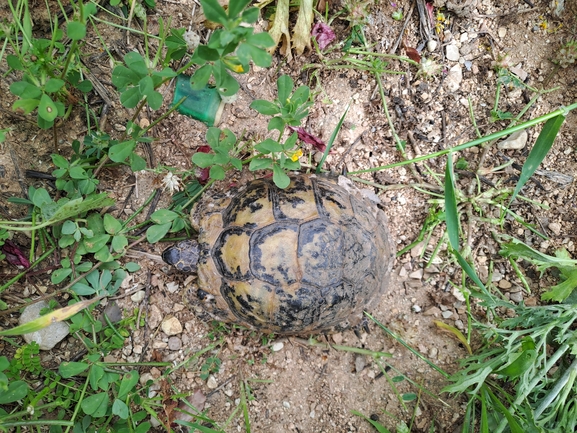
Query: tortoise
[[302, 260]]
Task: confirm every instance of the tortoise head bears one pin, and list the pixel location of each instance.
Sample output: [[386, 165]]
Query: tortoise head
[[183, 256]]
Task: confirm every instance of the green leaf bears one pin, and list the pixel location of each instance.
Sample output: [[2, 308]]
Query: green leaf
[[247, 52], [154, 100], [261, 40], [137, 163], [213, 11], [16, 391], [14, 62], [157, 232], [213, 136], [236, 7], [265, 107], [82, 289], [60, 275], [259, 164], [47, 109], [207, 53], [59, 161], [561, 291], [25, 90], [136, 63], [250, 16], [128, 383], [96, 242], [103, 255], [301, 95], [285, 87], [132, 267], [203, 160], [84, 86], [131, 97], [200, 78], [76, 30], [111, 224], [119, 152], [539, 151], [269, 146], [120, 409], [95, 405], [217, 172], [70, 369], [277, 123], [279, 177], [77, 172], [163, 216], [53, 85], [26, 105], [39, 197], [96, 373], [123, 77]]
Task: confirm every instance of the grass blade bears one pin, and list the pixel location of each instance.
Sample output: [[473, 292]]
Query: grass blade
[[332, 139], [539, 151], [43, 321]]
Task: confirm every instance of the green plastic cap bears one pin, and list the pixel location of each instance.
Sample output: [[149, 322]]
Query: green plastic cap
[[204, 104]]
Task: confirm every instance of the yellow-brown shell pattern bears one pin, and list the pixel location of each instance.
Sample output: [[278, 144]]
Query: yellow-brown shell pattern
[[306, 259]]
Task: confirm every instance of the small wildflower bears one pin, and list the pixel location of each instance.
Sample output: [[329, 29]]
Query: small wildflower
[[14, 255], [296, 155], [428, 67], [204, 173], [309, 138], [192, 40], [323, 34], [171, 182], [397, 15]]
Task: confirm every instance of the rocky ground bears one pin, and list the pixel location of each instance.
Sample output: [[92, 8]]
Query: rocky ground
[[303, 386]]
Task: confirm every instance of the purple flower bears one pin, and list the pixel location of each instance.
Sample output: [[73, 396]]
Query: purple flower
[[14, 256], [309, 138], [323, 34]]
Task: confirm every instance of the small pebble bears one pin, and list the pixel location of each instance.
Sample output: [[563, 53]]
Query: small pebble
[[452, 52], [431, 45], [171, 326], [515, 141], [360, 363], [211, 382], [277, 346], [337, 338], [454, 78], [505, 284], [416, 308], [174, 343], [433, 311], [459, 324], [286, 404], [516, 297], [555, 228], [138, 296], [446, 314], [502, 31], [416, 275]]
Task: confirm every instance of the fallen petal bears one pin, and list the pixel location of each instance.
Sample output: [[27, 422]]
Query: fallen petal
[[323, 34]]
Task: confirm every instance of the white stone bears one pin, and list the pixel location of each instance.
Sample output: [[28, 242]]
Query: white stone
[[555, 228], [211, 382], [47, 337], [171, 326], [516, 141], [138, 296], [502, 31], [172, 287], [277, 346], [432, 45], [452, 52], [454, 78]]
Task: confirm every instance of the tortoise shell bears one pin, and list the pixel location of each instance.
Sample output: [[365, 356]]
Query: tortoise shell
[[307, 259]]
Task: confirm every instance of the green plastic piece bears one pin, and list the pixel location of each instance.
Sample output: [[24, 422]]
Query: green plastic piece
[[204, 104]]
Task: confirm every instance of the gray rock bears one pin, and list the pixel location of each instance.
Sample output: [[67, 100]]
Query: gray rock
[[174, 343], [47, 337]]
